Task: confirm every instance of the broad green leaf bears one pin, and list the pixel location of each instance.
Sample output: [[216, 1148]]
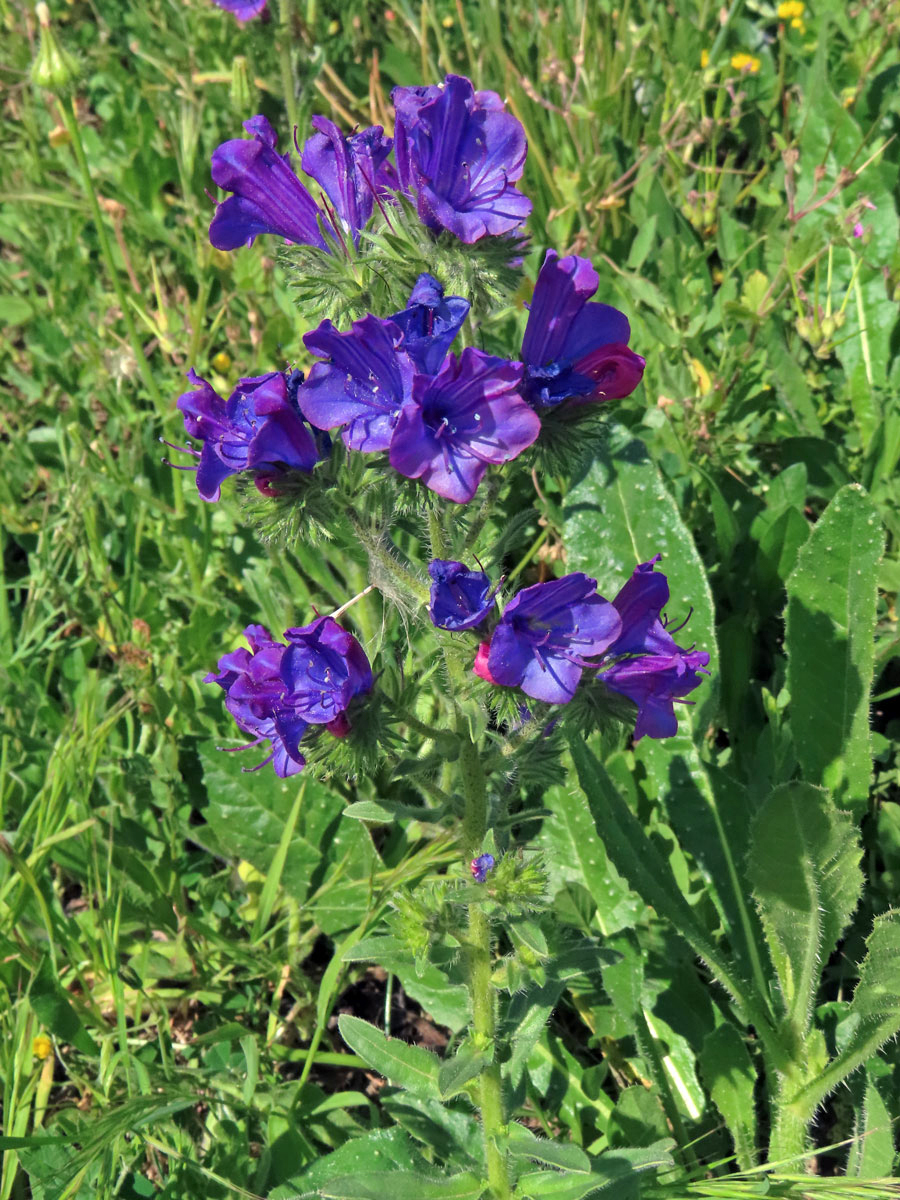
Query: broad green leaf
[[439, 990], [830, 646], [248, 815], [524, 1144], [402, 1185], [576, 854], [637, 858], [873, 1015], [382, 1150], [730, 1077], [526, 1019], [613, 1175], [803, 867], [872, 1153], [622, 514], [457, 1071], [454, 1136], [55, 1011], [404, 1066]]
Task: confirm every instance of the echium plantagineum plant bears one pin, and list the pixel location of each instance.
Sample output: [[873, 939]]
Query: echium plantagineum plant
[[418, 424]]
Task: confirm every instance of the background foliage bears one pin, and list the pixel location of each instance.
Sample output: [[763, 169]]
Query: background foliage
[[184, 937]]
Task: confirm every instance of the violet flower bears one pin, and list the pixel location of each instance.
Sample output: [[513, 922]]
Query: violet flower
[[573, 347], [459, 151], [244, 10], [461, 420], [352, 170], [661, 672], [481, 867], [259, 429], [324, 668], [255, 697], [430, 323], [460, 598], [268, 197], [547, 636], [362, 387]]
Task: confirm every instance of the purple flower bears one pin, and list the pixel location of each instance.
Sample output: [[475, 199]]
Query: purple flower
[[573, 348], [255, 691], [460, 598], [244, 10], [459, 151], [461, 420], [363, 386], [258, 429], [323, 669], [654, 682], [268, 197], [548, 634], [481, 866], [351, 170], [430, 323], [662, 672]]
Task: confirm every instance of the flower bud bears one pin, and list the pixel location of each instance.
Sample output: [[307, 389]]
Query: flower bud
[[243, 93], [54, 68]]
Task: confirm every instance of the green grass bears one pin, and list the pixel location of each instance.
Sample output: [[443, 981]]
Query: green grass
[[182, 946]]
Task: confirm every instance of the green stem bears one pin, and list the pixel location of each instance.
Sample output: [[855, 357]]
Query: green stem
[[484, 1017], [382, 558], [285, 34], [70, 120]]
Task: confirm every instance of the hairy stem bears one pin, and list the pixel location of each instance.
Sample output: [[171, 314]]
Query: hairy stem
[[285, 34]]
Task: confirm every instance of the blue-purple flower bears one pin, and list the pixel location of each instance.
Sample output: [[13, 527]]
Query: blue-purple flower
[[255, 697], [460, 598], [244, 10], [657, 671], [324, 668], [575, 348], [362, 386], [429, 323], [353, 171], [459, 152], [267, 195], [481, 867], [460, 421], [259, 429], [548, 635]]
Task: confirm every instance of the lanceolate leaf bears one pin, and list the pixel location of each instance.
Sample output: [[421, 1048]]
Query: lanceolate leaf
[[730, 1077], [875, 1009], [621, 514], [402, 1185], [830, 646], [404, 1066], [613, 1176], [804, 871]]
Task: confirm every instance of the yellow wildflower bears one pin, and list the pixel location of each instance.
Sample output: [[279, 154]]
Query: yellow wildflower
[[747, 64], [221, 361], [704, 59], [42, 1047], [447, 22], [791, 10]]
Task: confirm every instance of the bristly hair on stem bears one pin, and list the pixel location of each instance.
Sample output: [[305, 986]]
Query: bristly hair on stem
[[571, 437]]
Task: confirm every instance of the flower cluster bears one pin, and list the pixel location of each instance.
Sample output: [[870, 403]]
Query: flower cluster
[[551, 633], [244, 10], [276, 690]]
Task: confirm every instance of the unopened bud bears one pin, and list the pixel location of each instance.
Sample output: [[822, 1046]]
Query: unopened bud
[[804, 327], [54, 68], [242, 90], [828, 327], [59, 136]]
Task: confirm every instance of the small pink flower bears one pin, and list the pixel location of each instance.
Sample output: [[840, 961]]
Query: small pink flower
[[858, 230]]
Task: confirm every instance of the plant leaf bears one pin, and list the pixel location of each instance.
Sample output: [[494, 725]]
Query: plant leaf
[[804, 871], [404, 1066], [830, 646], [729, 1075]]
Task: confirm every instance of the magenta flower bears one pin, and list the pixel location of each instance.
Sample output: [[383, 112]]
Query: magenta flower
[[548, 635], [362, 386], [267, 195], [244, 10], [255, 697], [460, 421], [573, 347], [460, 598], [259, 429], [352, 171], [324, 668], [459, 152]]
